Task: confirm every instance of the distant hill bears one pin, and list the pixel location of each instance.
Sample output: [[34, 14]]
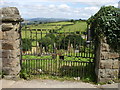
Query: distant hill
[[48, 19], [43, 20]]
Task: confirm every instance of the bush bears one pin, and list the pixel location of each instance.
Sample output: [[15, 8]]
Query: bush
[[106, 23], [73, 39], [26, 44], [46, 42]]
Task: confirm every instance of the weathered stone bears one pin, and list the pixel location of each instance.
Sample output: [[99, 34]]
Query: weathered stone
[[10, 62], [114, 55], [0, 53], [10, 14], [104, 55], [104, 40], [11, 35], [115, 64], [12, 77], [107, 60], [7, 26], [10, 45], [102, 73], [114, 73], [106, 64], [108, 73], [105, 47], [109, 55], [104, 79], [6, 70], [1, 37], [0, 65], [11, 71], [10, 53], [0, 44]]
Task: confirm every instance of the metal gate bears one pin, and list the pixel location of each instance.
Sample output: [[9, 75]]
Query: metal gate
[[57, 53]]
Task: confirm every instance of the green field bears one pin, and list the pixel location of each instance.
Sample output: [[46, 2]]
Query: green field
[[52, 25], [68, 67], [80, 26], [71, 66]]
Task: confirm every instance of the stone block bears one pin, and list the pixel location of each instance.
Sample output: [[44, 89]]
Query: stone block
[[6, 70], [0, 53], [11, 35], [10, 53], [115, 64], [1, 37], [0, 47], [12, 77], [10, 45], [108, 73], [104, 55], [109, 55], [7, 26], [113, 55], [16, 26], [11, 71], [10, 62], [0, 65], [103, 80], [10, 14], [106, 64], [102, 73], [114, 73], [105, 47]]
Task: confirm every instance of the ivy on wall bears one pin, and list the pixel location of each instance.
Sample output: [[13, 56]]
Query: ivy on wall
[[106, 23]]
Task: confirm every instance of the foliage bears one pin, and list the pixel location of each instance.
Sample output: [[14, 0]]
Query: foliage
[[24, 74], [73, 39], [106, 23], [78, 26], [26, 44], [47, 41], [54, 67]]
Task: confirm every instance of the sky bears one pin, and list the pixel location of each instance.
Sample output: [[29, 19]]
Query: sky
[[70, 9]]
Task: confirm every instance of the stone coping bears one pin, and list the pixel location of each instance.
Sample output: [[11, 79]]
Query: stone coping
[[10, 14]]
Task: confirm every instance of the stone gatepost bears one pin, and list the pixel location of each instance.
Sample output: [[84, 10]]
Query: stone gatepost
[[107, 62], [10, 42]]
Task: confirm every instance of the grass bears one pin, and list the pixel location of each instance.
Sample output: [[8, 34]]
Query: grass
[[37, 35], [62, 69], [33, 34], [65, 69], [66, 58], [78, 26], [52, 25]]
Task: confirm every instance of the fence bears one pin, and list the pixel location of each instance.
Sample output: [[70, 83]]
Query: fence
[[57, 53]]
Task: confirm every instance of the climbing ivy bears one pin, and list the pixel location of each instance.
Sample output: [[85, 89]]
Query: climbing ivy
[[106, 23]]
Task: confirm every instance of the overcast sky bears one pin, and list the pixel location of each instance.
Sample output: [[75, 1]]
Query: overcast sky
[[72, 9]]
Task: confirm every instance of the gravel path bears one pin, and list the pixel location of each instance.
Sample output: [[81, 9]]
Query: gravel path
[[50, 84]]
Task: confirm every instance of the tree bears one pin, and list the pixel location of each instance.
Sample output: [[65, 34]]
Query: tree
[[26, 44], [47, 41], [73, 39]]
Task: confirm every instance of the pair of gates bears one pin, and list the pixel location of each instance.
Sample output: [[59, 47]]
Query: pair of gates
[[57, 53]]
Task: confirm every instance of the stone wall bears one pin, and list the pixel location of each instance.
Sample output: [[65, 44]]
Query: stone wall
[[10, 42], [107, 62], [0, 44]]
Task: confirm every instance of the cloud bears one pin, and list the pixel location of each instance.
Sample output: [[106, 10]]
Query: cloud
[[57, 8], [64, 6]]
